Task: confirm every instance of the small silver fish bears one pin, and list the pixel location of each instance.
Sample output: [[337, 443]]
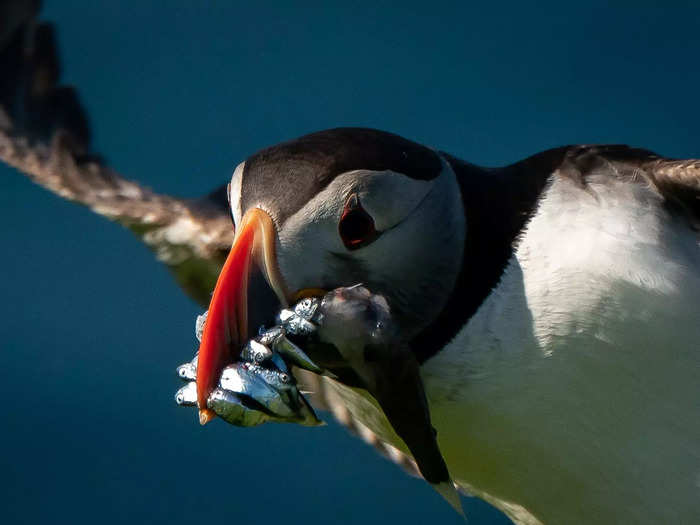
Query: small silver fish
[[199, 325], [272, 391], [232, 409], [188, 371], [250, 394], [187, 395], [306, 308], [255, 352], [295, 324], [276, 339], [260, 387]]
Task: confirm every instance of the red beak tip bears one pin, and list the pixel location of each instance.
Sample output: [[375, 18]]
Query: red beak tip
[[205, 416], [227, 321]]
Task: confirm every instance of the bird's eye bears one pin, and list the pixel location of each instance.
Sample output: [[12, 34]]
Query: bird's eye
[[356, 226]]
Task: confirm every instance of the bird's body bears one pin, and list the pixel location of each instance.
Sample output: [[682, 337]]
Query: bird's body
[[553, 305], [582, 367], [579, 372]]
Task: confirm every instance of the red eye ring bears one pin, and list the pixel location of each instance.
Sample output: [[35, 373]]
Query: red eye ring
[[356, 226]]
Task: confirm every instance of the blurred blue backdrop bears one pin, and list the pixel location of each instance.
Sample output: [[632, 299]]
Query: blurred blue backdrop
[[92, 327]]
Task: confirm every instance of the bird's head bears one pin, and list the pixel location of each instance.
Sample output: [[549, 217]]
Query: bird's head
[[331, 209]]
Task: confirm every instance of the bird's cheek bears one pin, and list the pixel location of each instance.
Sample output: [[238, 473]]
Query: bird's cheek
[[301, 262]]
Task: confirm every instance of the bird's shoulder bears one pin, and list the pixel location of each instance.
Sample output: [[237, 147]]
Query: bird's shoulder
[[676, 181], [523, 183]]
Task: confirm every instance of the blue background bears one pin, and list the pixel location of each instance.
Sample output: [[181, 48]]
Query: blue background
[[92, 327]]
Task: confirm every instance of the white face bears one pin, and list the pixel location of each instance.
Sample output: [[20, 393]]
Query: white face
[[413, 261]]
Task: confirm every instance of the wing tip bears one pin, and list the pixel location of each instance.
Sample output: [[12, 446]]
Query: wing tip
[[36, 106]]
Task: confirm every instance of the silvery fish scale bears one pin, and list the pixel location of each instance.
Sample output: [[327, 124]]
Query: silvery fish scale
[[260, 387]]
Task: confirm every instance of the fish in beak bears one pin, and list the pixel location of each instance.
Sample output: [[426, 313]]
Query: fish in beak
[[226, 328]]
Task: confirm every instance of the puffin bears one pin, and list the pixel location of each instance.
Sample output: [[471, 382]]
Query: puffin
[[551, 306]]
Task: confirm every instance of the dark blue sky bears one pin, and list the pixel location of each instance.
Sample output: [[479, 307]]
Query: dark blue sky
[[92, 326]]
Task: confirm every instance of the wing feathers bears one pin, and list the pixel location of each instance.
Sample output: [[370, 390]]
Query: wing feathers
[[324, 397], [682, 174], [44, 133]]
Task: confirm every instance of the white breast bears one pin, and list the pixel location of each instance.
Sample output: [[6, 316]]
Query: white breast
[[574, 390]]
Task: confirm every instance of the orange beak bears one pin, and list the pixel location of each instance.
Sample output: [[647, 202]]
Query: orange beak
[[227, 321]]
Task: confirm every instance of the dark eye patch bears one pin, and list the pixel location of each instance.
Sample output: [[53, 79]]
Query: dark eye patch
[[356, 226]]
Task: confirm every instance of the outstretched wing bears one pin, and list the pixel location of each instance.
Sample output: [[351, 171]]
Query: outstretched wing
[[680, 180], [44, 133]]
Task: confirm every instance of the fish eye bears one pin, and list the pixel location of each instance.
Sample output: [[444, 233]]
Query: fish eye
[[284, 377], [356, 226]]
